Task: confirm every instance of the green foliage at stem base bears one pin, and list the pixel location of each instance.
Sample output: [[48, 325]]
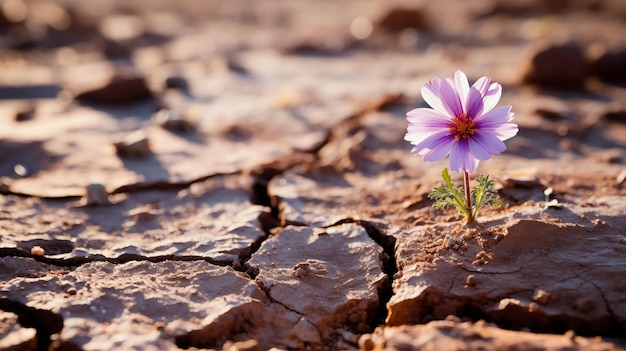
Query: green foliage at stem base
[[448, 195]]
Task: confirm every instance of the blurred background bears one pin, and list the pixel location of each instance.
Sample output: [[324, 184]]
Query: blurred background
[[240, 71], [148, 34]]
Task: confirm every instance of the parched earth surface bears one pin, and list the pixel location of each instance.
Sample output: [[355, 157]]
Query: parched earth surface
[[233, 175]]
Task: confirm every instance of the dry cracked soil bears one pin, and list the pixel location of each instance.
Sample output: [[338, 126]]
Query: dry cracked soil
[[230, 174]]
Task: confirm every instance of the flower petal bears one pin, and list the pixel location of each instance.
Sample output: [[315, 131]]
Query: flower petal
[[474, 103], [423, 122], [477, 150], [460, 84], [436, 154], [492, 96], [427, 116], [431, 130], [416, 137], [488, 142], [494, 118], [430, 94], [432, 141], [506, 131], [450, 99], [482, 85], [461, 157], [434, 147], [497, 122]]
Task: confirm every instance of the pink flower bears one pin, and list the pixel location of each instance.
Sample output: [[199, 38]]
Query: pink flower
[[462, 122]]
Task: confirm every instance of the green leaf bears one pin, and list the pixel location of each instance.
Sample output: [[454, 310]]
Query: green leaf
[[484, 194], [448, 195]]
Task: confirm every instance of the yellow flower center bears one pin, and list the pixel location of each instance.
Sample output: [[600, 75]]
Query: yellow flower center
[[463, 127]]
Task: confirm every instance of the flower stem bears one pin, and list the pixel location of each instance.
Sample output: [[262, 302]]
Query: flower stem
[[468, 198]]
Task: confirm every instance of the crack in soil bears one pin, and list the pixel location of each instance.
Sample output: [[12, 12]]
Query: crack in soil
[[452, 282], [166, 185], [260, 195], [481, 271], [46, 323], [124, 258], [390, 267], [269, 222], [375, 105], [267, 291], [615, 325]]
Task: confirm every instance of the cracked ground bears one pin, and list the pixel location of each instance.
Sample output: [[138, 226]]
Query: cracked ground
[[233, 175]]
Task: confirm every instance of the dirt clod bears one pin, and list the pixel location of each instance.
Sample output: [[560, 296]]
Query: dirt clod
[[563, 66]]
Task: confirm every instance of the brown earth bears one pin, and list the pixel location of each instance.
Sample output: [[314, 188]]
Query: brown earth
[[233, 175]]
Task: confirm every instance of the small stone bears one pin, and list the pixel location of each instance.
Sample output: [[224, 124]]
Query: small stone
[[20, 170], [361, 28], [450, 242], [144, 214], [13, 12], [541, 296], [548, 114], [301, 270], [396, 19], [252, 271], [37, 251], [248, 345], [95, 194], [504, 303], [453, 318], [554, 203], [134, 145], [562, 66], [71, 291], [523, 178], [25, 114], [176, 82], [470, 280], [235, 66], [160, 326], [174, 121], [316, 47], [120, 27], [608, 64], [621, 177], [548, 192], [121, 89]]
